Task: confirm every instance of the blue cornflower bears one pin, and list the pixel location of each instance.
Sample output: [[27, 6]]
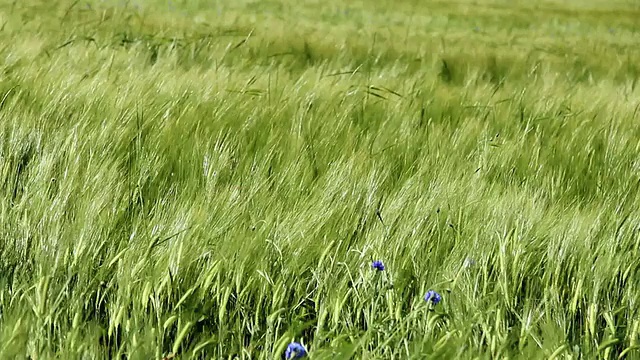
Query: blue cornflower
[[378, 265], [295, 351], [433, 296], [468, 262]]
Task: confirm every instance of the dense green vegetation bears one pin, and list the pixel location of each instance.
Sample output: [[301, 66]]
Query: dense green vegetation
[[213, 179]]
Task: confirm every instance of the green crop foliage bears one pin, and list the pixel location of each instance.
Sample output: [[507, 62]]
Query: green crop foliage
[[213, 179]]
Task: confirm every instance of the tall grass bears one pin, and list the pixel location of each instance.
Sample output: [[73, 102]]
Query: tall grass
[[213, 179]]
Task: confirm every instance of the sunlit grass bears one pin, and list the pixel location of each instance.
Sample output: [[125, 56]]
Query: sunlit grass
[[214, 179]]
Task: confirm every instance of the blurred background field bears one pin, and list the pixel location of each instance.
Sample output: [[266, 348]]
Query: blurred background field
[[213, 179]]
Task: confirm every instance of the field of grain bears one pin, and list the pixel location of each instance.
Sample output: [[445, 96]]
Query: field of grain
[[213, 179]]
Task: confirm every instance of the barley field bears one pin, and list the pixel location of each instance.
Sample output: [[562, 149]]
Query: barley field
[[383, 179]]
